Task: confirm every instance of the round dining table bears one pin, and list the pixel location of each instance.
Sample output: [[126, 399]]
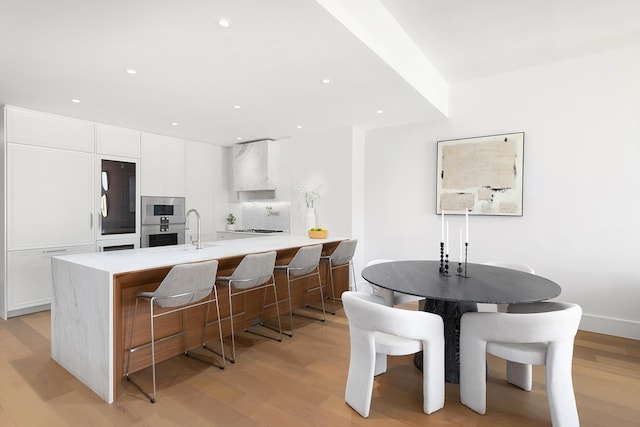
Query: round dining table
[[453, 295]]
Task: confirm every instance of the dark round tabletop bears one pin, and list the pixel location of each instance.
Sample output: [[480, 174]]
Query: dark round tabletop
[[485, 284]]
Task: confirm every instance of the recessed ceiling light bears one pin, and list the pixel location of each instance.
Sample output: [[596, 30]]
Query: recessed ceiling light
[[326, 81], [224, 23], [131, 71], [379, 111], [239, 138], [299, 127], [75, 101], [236, 107], [174, 123]]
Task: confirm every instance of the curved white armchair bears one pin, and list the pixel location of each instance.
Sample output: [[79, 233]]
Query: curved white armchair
[[376, 331], [389, 297], [503, 307], [529, 334]]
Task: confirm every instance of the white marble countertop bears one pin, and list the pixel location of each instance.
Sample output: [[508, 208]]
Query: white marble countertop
[[141, 259]]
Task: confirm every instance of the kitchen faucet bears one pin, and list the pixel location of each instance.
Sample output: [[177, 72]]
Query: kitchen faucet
[[197, 242]]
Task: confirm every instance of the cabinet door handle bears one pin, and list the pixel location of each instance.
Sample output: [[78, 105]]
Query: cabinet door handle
[[90, 220], [53, 251]]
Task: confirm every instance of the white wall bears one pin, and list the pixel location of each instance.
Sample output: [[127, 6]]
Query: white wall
[[322, 158], [581, 120]]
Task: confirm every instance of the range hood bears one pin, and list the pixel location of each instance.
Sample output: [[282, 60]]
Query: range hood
[[253, 170]]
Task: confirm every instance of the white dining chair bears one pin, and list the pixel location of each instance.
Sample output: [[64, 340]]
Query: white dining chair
[[513, 266], [389, 297], [529, 334], [377, 331]]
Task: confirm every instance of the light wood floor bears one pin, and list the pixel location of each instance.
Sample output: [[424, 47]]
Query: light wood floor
[[299, 382]]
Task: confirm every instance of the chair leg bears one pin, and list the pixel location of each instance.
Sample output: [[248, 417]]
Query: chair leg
[[322, 300], [560, 393], [433, 389], [520, 375], [153, 354], [264, 304], [359, 386], [133, 322], [204, 333], [333, 298], [353, 273], [380, 365], [152, 399], [290, 307], [275, 298], [473, 380], [233, 334], [324, 313]]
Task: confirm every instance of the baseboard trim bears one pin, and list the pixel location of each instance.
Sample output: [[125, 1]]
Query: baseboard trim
[[610, 326], [28, 310]]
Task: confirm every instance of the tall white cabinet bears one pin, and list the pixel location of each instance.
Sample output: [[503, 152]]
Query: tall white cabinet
[[162, 165], [51, 189], [40, 210], [48, 198]]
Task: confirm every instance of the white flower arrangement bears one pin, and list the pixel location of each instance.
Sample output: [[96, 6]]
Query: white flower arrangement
[[310, 194]]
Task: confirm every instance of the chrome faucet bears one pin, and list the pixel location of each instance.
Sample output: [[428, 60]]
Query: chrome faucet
[[197, 242]]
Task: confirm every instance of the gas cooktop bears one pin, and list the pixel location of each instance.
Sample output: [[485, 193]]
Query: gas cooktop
[[259, 230]]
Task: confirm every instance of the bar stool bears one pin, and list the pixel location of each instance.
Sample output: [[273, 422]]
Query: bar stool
[[305, 263], [184, 287], [254, 272], [341, 256]]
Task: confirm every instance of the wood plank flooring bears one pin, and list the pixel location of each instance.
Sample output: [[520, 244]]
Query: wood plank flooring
[[298, 382]]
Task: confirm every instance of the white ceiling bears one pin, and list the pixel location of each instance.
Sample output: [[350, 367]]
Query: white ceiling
[[272, 59]]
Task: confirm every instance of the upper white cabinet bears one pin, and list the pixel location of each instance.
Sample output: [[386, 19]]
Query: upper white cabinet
[[199, 187], [116, 141], [47, 130], [253, 166], [49, 197], [163, 167]]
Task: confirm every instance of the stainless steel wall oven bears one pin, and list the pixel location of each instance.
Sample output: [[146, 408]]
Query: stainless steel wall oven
[[162, 221]]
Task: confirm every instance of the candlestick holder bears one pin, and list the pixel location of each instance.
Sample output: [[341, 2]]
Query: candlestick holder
[[463, 272], [441, 258], [446, 266]]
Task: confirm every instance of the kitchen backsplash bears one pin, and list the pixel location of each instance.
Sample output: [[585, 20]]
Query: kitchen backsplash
[[266, 215]]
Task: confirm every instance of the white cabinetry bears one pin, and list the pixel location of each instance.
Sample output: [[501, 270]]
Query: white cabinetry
[[29, 275], [47, 130], [199, 188], [162, 166], [49, 197], [116, 141]]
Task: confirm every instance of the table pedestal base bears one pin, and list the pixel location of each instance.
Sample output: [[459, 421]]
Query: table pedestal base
[[451, 313]]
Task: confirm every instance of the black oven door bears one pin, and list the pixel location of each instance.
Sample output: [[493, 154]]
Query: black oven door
[[162, 235]]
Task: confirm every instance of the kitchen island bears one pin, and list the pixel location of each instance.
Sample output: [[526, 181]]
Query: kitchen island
[[94, 294]]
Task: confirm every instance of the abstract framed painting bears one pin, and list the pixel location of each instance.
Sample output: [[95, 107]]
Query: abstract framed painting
[[483, 175]]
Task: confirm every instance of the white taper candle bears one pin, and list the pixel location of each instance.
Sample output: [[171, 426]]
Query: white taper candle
[[466, 218], [447, 250]]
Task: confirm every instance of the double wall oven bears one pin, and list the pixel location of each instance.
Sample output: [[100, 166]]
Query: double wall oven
[[162, 221]]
